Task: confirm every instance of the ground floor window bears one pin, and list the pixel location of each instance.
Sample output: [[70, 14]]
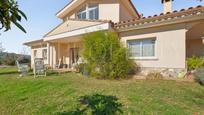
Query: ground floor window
[[44, 53], [35, 53], [142, 48]]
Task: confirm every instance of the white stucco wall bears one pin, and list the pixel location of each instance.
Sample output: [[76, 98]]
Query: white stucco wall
[[109, 11], [114, 10], [170, 48]]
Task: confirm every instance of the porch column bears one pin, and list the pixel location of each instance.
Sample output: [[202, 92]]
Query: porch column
[[68, 55], [58, 51], [48, 54]]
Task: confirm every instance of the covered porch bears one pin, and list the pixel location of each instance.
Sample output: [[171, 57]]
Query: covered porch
[[65, 43], [194, 40], [65, 53]]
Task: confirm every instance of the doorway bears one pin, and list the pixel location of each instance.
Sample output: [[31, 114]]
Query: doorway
[[74, 56]]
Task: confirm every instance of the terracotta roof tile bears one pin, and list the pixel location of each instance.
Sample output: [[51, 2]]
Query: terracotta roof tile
[[162, 16]]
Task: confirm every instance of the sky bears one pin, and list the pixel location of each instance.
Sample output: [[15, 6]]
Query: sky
[[42, 18]]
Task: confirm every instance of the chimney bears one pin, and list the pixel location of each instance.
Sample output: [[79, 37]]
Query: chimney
[[167, 5]]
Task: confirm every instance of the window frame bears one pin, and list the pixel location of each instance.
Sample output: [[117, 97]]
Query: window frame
[[94, 8], [141, 41], [81, 12], [44, 56], [35, 52], [87, 9]]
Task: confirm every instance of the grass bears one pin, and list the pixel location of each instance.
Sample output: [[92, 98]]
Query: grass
[[60, 94]]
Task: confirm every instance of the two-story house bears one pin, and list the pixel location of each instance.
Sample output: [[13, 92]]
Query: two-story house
[[156, 42]]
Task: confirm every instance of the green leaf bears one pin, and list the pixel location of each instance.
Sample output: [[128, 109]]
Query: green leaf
[[20, 27], [23, 14]]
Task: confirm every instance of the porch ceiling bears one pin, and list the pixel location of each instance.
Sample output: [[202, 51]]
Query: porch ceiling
[[196, 32]]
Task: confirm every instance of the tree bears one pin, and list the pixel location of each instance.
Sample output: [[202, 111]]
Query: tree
[[105, 57], [10, 13], [1, 48]]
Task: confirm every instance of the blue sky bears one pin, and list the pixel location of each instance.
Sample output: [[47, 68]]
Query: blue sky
[[41, 18]]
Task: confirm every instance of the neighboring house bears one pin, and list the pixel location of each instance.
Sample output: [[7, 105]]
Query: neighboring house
[[156, 42]]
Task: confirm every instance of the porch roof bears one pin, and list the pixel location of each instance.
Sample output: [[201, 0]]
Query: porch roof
[[34, 42], [74, 24], [79, 32]]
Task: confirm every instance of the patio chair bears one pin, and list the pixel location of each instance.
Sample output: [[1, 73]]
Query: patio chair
[[39, 68], [22, 68], [59, 65]]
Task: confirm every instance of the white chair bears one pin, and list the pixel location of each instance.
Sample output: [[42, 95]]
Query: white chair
[[22, 68], [58, 66]]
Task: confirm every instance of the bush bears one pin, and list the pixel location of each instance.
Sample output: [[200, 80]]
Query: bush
[[199, 76], [154, 76], [195, 63], [105, 56], [9, 60]]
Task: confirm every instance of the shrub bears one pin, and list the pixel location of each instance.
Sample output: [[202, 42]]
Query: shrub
[[195, 63], [154, 76], [199, 76], [105, 56], [9, 60]]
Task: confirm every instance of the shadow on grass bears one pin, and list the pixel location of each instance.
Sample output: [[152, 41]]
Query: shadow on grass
[[8, 71], [52, 73], [96, 105]]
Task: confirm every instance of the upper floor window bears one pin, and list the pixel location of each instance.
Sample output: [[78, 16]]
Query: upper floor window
[[142, 48], [89, 12], [81, 14]]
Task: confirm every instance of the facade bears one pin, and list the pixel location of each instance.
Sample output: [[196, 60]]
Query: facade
[[162, 41]]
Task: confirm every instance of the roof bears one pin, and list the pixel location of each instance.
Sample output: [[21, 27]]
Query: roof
[[64, 7], [85, 20], [137, 13], [29, 43], [159, 18], [134, 8]]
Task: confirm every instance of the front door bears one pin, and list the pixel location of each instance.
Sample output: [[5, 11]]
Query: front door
[[74, 55]]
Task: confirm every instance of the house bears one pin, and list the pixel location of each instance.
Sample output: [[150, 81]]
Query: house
[[159, 42]]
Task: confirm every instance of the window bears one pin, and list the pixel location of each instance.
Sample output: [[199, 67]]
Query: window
[[142, 48], [93, 12], [89, 12], [44, 53], [82, 14], [35, 53]]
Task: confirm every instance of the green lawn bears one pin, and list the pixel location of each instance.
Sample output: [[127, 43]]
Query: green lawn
[[60, 94]]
